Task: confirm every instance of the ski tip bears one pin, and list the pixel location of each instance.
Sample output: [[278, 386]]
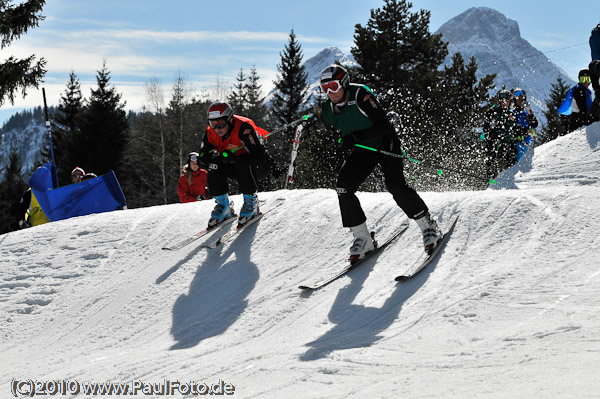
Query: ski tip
[[401, 278], [306, 288]]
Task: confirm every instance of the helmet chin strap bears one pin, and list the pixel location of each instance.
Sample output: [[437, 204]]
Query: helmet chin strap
[[344, 100]]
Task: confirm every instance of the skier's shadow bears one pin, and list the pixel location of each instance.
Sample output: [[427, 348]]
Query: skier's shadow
[[217, 294], [359, 326]]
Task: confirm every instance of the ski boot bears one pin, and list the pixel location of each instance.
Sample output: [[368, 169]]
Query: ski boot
[[249, 209], [431, 232], [363, 242], [221, 211]]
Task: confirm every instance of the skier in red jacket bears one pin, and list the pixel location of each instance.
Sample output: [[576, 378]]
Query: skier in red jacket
[[232, 148]]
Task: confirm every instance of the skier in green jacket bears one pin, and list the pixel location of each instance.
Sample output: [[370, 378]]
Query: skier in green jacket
[[355, 112], [500, 133]]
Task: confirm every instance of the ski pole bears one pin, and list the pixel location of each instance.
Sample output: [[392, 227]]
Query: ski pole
[[49, 133], [288, 125], [418, 162], [279, 129]]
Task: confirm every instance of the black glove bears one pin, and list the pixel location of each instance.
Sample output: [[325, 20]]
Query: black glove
[[227, 157], [206, 158], [348, 141]]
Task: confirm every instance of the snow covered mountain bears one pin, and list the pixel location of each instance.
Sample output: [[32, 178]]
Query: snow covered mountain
[[313, 67], [25, 133], [496, 42], [510, 310]]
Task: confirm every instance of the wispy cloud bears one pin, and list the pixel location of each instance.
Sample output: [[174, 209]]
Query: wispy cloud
[[164, 36]]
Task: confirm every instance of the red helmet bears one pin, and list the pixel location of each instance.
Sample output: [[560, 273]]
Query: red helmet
[[218, 111], [77, 172]]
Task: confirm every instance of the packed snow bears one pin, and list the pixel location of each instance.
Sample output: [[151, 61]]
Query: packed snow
[[509, 310]]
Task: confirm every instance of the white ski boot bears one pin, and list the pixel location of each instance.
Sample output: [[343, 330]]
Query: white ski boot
[[363, 242], [431, 232]]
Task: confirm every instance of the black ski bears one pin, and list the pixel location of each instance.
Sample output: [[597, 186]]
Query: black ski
[[426, 258], [237, 229], [351, 266], [200, 234]]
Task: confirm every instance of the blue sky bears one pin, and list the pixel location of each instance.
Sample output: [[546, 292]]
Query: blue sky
[[208, 42]]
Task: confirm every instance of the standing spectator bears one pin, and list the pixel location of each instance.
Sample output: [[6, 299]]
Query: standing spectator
[[595, 42], [192, 182], [581, 103]]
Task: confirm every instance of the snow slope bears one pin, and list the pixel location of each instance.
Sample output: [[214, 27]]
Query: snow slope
[[509, 310]]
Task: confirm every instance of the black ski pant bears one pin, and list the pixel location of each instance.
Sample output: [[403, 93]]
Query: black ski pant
[[499, 156], [243, 168], [355, 170]]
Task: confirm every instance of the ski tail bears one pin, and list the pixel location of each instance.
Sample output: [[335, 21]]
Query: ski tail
[[427, 258], [187, 241], [378, 248]]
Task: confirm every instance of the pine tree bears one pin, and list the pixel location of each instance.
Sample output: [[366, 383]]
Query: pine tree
[[103, 128], [396, 52], [142, 183], [287, 103], [437, 108], [257, 110], [557, 124], [19, 74], [238, 97], [11, 189], [459, 101], [181, 121], [290, 84], [319, 155], [65, 128]]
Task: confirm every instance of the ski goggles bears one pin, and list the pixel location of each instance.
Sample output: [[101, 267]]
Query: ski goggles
[[585, 79], [331, 87], [194, 158], [217, 123], [504, 96], [77, 176], [520, 93]]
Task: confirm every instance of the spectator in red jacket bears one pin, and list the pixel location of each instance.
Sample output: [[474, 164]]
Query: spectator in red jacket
[[192, 183]]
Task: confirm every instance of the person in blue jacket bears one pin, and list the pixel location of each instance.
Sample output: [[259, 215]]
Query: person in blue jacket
[[581, 102], [526, 122]]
